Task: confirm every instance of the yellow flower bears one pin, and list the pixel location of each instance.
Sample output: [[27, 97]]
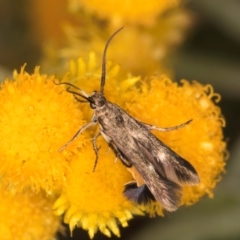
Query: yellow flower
[[37, 118], [88, 32], [27, 216], [155, 44], [122, 12], [94, 200]]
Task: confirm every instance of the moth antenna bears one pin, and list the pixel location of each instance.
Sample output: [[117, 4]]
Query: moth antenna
[[103, 77], [83, 94]]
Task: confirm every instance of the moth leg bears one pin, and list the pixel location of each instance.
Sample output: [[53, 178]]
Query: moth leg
[[96, 149], [83, 128], [152, 127], [108, 150]]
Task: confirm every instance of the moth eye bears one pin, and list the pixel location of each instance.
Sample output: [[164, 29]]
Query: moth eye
[[92, 105]]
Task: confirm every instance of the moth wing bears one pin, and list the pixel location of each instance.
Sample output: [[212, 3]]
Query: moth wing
[[169, 163]]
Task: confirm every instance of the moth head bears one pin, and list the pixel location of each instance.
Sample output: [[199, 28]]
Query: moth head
[[97, 100]]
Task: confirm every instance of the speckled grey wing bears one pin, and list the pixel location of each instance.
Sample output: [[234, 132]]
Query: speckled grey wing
[[168, 163]]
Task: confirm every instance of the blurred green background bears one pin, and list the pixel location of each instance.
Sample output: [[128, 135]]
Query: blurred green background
[[211, 54]]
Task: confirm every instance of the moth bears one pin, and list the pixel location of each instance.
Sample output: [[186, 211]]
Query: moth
[[158, 171]]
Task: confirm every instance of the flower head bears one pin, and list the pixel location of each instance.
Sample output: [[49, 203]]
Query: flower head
[[94, 200], [37, 118], [155, 44], [122, 12], [165, 104], [27, 216]]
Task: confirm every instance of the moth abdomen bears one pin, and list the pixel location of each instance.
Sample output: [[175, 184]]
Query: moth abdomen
[[139, 195]]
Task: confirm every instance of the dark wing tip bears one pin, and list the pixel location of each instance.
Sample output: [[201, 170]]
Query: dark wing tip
[[187, 174], [139, 195], [170, 195]]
